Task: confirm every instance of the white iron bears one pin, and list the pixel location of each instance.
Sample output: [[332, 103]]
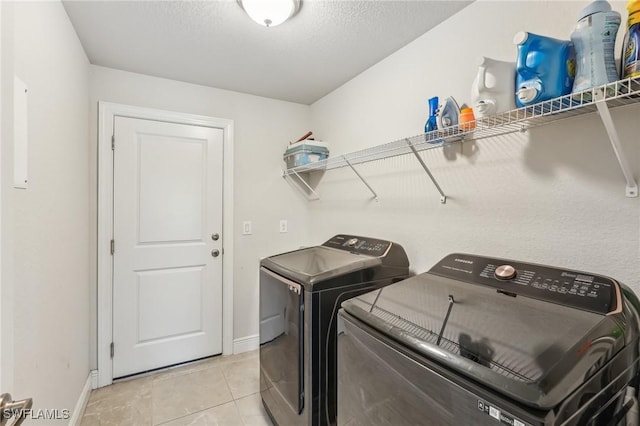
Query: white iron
[[448, 114]]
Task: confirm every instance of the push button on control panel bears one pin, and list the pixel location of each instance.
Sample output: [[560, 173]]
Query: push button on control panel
[[359, 245], [505, 272], [580, 290]]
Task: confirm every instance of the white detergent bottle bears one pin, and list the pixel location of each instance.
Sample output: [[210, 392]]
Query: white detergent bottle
[[594, 38], [493, 88]]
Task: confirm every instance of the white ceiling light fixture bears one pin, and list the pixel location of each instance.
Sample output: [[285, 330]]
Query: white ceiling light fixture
[[270, 12]]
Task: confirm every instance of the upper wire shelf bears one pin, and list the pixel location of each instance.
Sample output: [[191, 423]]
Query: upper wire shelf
[[619, 93]]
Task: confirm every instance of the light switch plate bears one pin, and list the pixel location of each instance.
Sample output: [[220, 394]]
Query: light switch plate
[[246, 227], [283, 226]]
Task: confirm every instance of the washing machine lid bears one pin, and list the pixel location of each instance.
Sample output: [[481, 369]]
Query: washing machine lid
[[535, 344], [314, 264]]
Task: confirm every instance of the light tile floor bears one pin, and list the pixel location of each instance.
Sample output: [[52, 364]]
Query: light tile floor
[[218, 391]]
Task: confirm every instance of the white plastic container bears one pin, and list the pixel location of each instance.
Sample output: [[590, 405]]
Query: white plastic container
[[594, 38], [493, 89], [305, 152]]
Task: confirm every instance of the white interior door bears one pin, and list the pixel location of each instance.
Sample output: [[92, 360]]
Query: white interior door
[[167, 265]]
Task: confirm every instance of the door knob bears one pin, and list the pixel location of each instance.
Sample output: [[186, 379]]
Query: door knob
[[16, 409], [215, 237], [215, 252]]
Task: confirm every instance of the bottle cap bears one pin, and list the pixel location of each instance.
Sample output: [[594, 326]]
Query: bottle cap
[[527, 94], [520, 37], [596, 6], [633, 6]]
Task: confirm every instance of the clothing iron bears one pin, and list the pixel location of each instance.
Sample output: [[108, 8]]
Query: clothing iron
[[448, 114]]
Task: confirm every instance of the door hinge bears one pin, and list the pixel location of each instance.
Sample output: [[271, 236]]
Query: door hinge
[[113, 142], [113, 247], [112, 349]]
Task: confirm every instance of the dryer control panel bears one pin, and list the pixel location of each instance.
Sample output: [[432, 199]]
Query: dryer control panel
[[359, 245], [580, 290]]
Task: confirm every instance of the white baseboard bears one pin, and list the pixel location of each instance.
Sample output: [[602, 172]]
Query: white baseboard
[[94, 379], [78, 411], [246, 344]]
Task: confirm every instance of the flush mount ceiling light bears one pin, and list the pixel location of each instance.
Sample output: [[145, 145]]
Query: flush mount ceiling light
[[270, 12]]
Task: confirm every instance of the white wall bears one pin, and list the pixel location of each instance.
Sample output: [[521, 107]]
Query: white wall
[[3, 298], [553, 195], [262, 129], [45, 241]]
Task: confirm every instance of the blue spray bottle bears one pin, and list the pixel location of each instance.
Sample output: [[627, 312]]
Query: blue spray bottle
[[431, 123]]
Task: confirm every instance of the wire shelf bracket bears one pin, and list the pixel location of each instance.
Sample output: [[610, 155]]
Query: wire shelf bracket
[[375, 196], [443, 197], [312, 195], [631, 189]]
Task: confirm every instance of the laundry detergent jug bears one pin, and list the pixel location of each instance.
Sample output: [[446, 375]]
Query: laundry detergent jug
[[545, 68], [631, 48], [594, 38], [493, 88]]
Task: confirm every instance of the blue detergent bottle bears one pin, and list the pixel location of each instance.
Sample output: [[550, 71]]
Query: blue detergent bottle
[[545, 68], [432, 123]]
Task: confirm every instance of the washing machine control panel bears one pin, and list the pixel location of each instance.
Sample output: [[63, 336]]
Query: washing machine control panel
[[580, 290], [360, 245]]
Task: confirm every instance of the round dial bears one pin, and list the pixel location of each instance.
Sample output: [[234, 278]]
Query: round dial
[[352, 242], [505, 272]]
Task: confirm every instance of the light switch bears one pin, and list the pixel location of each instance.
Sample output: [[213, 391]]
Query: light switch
[[283, 225], [246, 227]]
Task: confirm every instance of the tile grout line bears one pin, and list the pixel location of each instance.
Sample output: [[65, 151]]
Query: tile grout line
[[198, 411], [239, 413], [175, 374], [233, 399]]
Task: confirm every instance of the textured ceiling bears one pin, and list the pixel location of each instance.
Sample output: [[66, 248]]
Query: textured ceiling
[[214, 43]]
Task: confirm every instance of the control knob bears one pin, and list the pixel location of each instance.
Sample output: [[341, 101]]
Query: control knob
[[352, 242], [505, 272]]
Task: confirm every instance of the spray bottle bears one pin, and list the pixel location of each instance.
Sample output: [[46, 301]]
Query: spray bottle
[[432, 123]]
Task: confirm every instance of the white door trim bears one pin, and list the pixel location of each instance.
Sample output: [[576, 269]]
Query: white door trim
[[107, 112]]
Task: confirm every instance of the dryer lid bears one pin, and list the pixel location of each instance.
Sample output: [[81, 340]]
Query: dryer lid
[[517, 342], [314, 264]]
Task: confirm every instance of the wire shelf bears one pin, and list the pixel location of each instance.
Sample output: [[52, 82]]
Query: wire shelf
[[619, 93]]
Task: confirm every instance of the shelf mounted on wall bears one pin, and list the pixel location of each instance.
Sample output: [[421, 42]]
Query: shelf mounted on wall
[[310, 193], [631, 188], [601, 99], [375, 196], [443, 198]]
